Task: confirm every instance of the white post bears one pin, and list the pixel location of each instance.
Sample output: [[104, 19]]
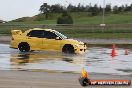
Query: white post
[[103, 18]]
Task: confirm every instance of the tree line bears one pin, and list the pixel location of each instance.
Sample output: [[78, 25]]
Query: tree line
[[93, 10]]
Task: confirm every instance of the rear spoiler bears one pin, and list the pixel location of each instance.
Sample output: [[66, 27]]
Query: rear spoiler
[[16, 32]]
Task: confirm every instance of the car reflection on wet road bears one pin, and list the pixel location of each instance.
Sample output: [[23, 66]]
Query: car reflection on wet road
[[96, 59], [46, 61], [36, 57]]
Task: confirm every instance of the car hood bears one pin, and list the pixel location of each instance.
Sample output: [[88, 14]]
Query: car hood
[[74, 41]]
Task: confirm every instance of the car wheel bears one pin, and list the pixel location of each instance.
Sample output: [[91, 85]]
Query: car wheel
[[69, 49], [84, 81], [24, 47]]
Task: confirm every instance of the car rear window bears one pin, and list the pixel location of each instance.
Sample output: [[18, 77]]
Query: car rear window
[[35, 33]]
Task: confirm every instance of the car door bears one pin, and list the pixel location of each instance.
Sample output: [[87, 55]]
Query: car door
[[35, 39], [50, 42]]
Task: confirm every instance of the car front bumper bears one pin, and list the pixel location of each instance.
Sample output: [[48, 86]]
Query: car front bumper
[[81, 49]]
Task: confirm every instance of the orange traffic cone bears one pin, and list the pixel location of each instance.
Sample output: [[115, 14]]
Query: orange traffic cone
[[113, 53], [84, 74], [126, 51]]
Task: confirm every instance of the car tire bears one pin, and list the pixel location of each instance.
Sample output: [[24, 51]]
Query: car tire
[[84, 81], [24, 47], [69, 49]]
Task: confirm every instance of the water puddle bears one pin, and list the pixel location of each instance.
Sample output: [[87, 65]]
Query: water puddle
[[97, 59]]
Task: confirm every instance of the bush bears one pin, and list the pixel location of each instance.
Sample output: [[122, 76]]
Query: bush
[[65, 19]]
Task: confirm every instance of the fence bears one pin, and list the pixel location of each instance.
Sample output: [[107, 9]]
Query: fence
[[70, 29]]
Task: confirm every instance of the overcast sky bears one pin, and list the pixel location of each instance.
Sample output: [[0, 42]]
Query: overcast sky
[[12, 9]]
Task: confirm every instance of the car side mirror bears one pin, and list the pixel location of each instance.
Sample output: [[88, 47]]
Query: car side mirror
[[57, 38]]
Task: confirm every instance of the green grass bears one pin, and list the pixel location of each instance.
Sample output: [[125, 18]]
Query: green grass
[[102, 35], [35, 22], [80, 29], [79, 18], [109, 19]]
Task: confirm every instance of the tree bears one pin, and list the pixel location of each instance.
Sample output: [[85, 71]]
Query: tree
[[80, 8], [115, 10], [56, 8], [87, 8], [71, 8], [128, 8], [45, 9], [121, 8], [100, 9], [108, 8], [65, 19], [94, 11]]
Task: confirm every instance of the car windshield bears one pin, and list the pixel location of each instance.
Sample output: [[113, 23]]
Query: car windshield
[[60, 35]]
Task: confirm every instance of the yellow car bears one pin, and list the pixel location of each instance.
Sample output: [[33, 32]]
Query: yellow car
[[45, 39]]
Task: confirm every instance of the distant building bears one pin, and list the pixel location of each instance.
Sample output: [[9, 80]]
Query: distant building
[[1, 21]]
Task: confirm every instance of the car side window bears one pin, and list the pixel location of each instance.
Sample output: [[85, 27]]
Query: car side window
[[49, 35], [36, 33]]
